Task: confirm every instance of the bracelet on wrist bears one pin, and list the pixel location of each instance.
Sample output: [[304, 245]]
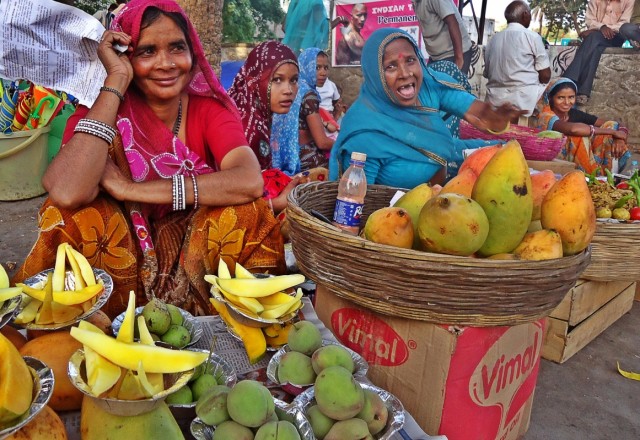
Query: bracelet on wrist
[[114, 91]]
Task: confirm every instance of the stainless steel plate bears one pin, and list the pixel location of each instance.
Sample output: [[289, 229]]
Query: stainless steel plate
[[396, 410], [77, 374], [250, 319], [8, 309], [202, 431], [40, 279], [42, 391], [189, 322]]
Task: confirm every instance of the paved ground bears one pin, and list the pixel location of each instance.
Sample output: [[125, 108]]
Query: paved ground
[[583, 399]]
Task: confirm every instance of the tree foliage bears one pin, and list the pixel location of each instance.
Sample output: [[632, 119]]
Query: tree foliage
[[247, 21], [562, 16]]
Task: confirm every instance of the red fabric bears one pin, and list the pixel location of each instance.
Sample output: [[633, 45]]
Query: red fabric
[[250, 91], [274, 182], [209, 124]]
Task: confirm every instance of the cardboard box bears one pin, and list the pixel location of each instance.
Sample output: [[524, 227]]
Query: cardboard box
[[463, 382], [587, 310]]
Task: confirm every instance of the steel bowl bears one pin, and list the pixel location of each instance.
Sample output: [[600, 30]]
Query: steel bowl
[[395, 421], [361, 367], [42, 391], [248, 318], [40, 279], [202, 431], [8, 309], [77, 374], [189, 322]]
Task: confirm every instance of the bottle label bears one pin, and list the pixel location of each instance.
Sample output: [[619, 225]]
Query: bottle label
[[347, 213]]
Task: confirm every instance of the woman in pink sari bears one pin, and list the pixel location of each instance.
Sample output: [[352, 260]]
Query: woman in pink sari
[[156, 181]]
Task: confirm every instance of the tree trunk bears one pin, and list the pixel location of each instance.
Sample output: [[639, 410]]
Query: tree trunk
[[206, 16]]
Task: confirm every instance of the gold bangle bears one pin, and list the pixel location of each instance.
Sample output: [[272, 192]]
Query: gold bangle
[[500, 132]]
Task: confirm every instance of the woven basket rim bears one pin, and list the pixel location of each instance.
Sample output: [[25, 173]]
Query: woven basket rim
[[435, 287], [533, 147]]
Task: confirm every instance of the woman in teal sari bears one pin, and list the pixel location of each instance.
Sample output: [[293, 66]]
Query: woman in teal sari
[[397, 119]]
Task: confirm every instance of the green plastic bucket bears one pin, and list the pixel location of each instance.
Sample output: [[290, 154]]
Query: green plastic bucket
[[23, 161]]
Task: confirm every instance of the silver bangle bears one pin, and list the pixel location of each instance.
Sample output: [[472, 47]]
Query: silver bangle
[[195, 192], [179, 195], [96, 128]]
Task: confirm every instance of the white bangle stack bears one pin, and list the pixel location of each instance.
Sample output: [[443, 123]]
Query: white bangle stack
[[96, 128], [179, 193], [195, 191]]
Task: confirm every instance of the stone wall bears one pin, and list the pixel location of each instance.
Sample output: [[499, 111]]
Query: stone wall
[[615, 92]]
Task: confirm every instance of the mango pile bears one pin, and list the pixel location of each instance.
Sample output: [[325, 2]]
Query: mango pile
[[494, 208], [343, 409], [259, 298], [308, 357], [244, 412]]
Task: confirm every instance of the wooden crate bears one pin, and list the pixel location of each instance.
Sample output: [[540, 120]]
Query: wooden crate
[[586, 311]]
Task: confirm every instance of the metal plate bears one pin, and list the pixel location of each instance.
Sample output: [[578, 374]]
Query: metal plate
[[40, 279], [8, 309], [172, 381], [249, 319], [202, 431], [189, 322], [42, 392], [396, 410], [361, 367]]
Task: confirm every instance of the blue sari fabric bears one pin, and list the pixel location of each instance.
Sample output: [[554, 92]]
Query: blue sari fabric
[[400, 142], [307, 25], [452, 121], [284, 130]]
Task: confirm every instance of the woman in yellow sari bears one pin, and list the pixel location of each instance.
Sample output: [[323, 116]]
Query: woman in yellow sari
[[156, 182], [592, 142]]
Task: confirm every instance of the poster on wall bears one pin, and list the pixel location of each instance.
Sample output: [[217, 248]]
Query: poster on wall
[[358, 19]]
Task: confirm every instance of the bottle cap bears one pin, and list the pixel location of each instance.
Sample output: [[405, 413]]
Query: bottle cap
[[360, 157]]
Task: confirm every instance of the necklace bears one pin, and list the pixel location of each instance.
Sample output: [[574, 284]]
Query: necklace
[[176, 125]]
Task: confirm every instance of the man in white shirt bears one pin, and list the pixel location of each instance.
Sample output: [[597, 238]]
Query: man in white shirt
[[445, 35], [516, 62]]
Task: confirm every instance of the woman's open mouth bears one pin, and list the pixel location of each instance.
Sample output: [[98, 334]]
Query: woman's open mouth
[[407, 91]]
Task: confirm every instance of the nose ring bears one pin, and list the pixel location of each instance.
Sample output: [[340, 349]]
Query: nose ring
[[173, 64]]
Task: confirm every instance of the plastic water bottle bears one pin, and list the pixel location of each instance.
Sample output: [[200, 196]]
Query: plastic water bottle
[[351, 192], [634, 167]]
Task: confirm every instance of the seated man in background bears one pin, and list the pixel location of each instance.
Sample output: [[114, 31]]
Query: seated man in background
[[445, 36], [604, 19], [515, 62], [631, 31]]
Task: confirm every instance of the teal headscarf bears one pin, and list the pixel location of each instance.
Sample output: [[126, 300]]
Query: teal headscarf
[[284, 130], [307, 25], [405, 146]]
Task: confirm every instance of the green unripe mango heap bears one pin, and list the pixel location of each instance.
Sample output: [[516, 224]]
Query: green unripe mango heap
[[503, 189]]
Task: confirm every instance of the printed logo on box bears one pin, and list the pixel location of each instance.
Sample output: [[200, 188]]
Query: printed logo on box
[[372, 338]]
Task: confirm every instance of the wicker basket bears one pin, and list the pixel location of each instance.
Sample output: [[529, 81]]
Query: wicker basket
[[614, 254], [421, 285], [533, 147]]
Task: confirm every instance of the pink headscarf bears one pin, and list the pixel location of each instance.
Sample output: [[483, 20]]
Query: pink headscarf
[[204, 82]]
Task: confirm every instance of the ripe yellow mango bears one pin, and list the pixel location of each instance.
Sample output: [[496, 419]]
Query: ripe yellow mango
[[503, 189], [16, 383], [128, 355], [568, 209], [540, 245]]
